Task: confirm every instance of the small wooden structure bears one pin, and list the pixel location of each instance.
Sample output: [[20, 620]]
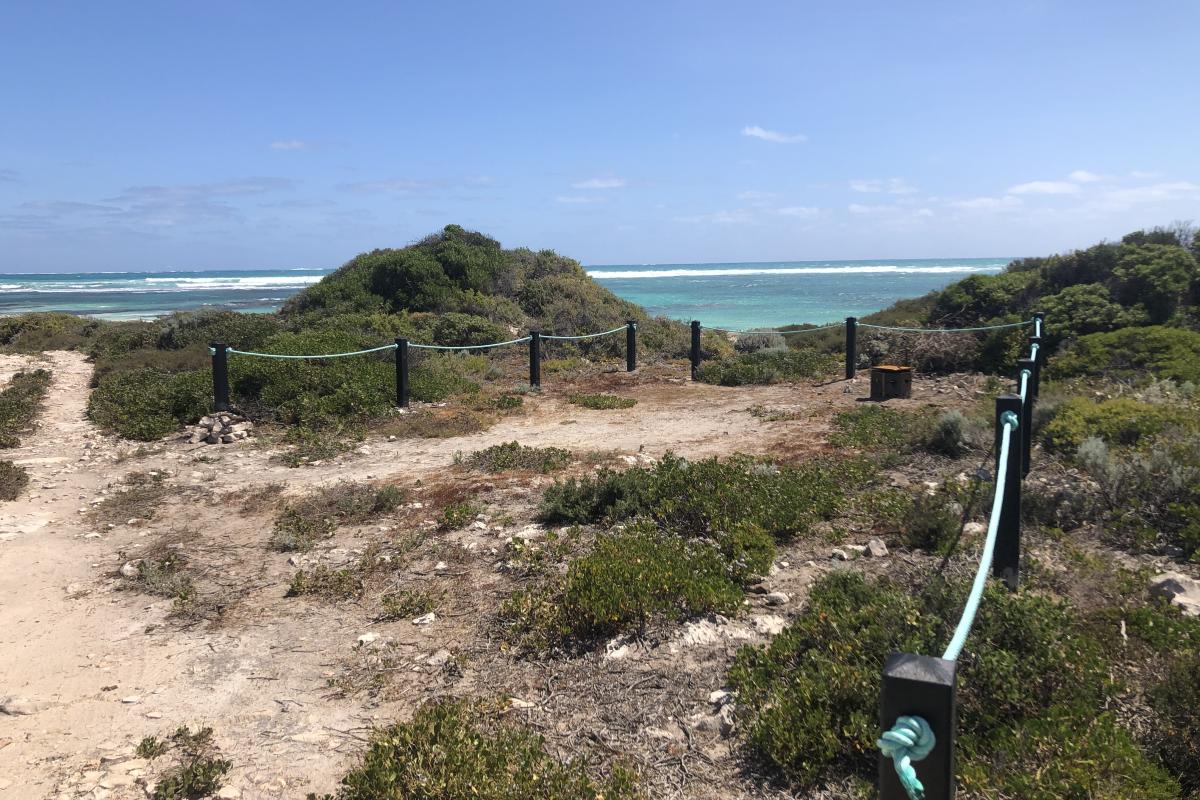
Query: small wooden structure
[[888, 381]]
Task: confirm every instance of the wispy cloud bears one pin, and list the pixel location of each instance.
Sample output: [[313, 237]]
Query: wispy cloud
[[1154, 193], [738, 216], [9, 176], [1045, 187], [578, 199], [986, 203], [924, 212], [390, 186], [600, 183], [1144, 175], [798, 211], [889, 186], [290, 144], [1083, 176], [753, 195], [755, 132], [862, 210]]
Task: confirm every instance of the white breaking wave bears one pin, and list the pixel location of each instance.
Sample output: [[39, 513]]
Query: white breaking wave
[[238, 283], [870, 269], [162, 285]]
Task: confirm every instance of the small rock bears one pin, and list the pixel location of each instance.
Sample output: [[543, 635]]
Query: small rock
[[153, 715], [439, 658], [1179, 590], [133, 699], [769, 624], [440, 567], [719, 697], [516, 702], [839, 554], [425, 619], [129, 569], [778, 599], [229, 793], [21, 706], [367, 638], [856, 549], [974, 529], [876, 548]]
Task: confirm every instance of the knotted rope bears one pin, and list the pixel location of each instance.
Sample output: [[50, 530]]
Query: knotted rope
[[909, 740]]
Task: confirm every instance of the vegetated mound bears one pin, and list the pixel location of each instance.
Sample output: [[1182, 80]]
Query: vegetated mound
[[456, 287]]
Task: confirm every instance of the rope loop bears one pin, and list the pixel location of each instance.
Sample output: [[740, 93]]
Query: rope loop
[[909, 740]]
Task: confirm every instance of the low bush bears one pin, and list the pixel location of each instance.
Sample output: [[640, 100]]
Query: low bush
[[457, 515], [147, 404], [753, 342], [1133, 354], [629, 578], [163, 575], [514, 456], [404, 604], [454, 749], [1176, 701], [1030, 682], [13, 480], [1118, 421], [139, 497], [602, 402], [931, 523], [872, 427], [326, 584], [766, 366], [321, 441], [354, 502], [196, 771], [300, 525], [19, 404]]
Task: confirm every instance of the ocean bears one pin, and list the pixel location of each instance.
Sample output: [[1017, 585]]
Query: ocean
[[734, 295]]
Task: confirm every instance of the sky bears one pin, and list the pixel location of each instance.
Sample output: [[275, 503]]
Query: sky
[[234, 135]]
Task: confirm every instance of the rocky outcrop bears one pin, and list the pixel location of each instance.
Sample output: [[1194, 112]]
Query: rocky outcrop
[[221, 428]]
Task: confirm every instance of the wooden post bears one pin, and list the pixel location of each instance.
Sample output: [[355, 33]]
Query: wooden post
[[535, 359], [1006, 561], [220, 376], [921, 686], [402, 373], [695, 352], [851, 347]]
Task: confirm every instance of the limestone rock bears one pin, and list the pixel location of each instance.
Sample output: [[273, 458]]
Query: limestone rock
[[876, 548], [1179, 590]]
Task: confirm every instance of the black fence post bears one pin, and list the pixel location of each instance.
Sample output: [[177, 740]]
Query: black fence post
[[535, 359], [630, 346], [925, 687], [1025, 365], [695, 353], [1006, 562], [851, 347], [1039, 325], [220, 374], [402, 373]]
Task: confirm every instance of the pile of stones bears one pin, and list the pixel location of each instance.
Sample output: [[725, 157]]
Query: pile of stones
[[222, 428]]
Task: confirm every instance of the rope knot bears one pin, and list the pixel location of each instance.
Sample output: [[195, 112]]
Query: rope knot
[[909, 740]]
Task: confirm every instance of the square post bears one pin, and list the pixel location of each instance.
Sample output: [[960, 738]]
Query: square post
[[630, 346], [402, 373], [851, 347], [1006, 561], [695, 351], [925, 687], [1026, 430], [220, 376], [535, 359]]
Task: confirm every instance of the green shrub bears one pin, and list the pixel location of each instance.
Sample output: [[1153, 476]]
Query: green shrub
[[1133, 354], [355, 502], [440, 376], [1089, 308], [1176, 701], [709, 496], [300, 525], [1118, 421], [1030, 682], [13, 480], [764, 366], [35, 333], [514, 455], [931, 523], [627, 579], [196, 770], [949, 436], [147, 404], [19, 404], [320, 440], [872, 427], [457, 515], [189, 329], [164, 576], [327, 584], [405, 604], [762, 340], [602, 402], [452, 749]]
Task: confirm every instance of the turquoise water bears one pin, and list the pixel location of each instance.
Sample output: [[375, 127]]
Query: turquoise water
[[735, 295]]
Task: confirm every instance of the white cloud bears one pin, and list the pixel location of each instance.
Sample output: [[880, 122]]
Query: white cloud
[[798, 211], [1083, 176], [738, 216], [1137, 173], [577, 199], [923, 212], [755, 132], [400, 185], [987, 203], [889, 186], [1045, 187], [290, 144], [862, 210], [1154, 193], [600, 183]]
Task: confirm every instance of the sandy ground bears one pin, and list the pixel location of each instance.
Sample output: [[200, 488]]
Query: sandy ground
[[95, 667]]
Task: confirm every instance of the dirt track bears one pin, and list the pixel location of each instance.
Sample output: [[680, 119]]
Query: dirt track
[[98, 667]]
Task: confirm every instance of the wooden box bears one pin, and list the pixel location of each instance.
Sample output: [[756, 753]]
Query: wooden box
[[888, 381]]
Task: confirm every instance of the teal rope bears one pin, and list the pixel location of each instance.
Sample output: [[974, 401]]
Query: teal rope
[[1037, 327], [1025, 375], [327, 355], [946, 330], [909, 740], [468, 346], [1010, 423], [1033, 351], [584, 336]]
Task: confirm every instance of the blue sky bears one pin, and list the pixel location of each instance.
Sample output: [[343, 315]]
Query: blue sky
[[160, 135]]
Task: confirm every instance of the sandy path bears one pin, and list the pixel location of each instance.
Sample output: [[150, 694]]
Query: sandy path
[[97, 669]]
